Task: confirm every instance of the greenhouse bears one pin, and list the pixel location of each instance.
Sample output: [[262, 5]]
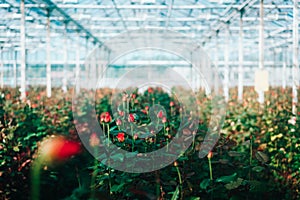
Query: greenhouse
[[149, 99]]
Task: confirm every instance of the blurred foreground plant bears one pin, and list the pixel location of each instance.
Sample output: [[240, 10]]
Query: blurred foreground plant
[[52, 151]]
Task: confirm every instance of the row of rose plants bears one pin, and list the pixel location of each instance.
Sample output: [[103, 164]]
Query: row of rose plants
[[41, 155]]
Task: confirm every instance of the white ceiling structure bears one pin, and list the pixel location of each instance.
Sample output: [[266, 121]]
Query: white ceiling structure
[[89, 23]]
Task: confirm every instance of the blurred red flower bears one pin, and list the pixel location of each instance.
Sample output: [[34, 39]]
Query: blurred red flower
[[58, 148], [164, 120], [94, 140]]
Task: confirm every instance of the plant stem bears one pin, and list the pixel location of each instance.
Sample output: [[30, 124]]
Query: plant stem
[[128, 105], [179, 175], [78, 177], [251, 151], [124, 106], [108, 131], [157, 184], [35, 179], [180, 181], [93, 178], [167, 145], [103, 128], [132, 146], [109, 181], [193, 144], [210, 169]]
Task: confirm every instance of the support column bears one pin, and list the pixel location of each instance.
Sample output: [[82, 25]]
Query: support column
[[93, 64], [261, 98], [64, 78], [87, 61], [295, 57], [226, 65], [14, 59], [2, 67], [77, 70], [23, 50], [241, 60], [48, 52], [283, 73], [216, 84]]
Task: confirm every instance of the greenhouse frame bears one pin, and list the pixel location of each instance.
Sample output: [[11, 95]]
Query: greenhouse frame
[[230, 69]]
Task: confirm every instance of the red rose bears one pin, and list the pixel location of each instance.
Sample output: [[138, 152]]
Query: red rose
[[172, 104], [131, 118], [118, 122], [107, 117], [160, 114], [121, 113], [150, 90], [210, 155], [121, 137]]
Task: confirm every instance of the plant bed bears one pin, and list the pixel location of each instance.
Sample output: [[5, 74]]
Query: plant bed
[[256, 157]]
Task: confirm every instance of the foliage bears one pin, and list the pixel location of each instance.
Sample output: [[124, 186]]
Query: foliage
[[257, 156]]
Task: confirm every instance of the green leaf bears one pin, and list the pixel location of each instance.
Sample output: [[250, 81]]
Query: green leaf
[[117, 188], [258, 168], [175, 194], [262, 157], [234, 184], [16, 149], [117, 157], [234, 154], [227, 179], [204, 184], [194, 198], [257, 186]]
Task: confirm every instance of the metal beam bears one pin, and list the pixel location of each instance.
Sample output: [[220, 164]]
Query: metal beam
[[295, 56], [145, 7], [226, 66], [68, 18], [48, 55], [2, 67], [23, 50], [169, 13], [261, 47], [241, 59]]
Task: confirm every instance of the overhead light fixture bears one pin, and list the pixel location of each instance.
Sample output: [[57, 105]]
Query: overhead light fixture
[[147, 1], [215, 1], [83, 16], [15, 15], [206, 16], [272, 16], [70, 1]]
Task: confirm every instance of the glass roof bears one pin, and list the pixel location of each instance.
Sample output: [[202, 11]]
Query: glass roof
[[85, 24]]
